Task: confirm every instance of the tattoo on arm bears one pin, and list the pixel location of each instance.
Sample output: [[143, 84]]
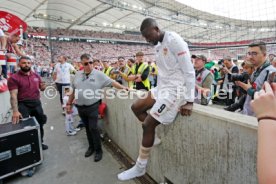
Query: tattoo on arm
[[14, 102]]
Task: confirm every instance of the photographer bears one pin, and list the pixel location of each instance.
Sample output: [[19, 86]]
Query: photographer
[[248, 69], [227, 91], [258, 57]]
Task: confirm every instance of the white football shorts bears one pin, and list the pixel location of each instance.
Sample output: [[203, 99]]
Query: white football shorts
[[166, 106]]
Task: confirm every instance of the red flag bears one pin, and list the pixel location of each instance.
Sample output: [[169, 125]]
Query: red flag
[[11, 23]]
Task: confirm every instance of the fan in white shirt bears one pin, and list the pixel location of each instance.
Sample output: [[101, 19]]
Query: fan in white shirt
[[61, 75]]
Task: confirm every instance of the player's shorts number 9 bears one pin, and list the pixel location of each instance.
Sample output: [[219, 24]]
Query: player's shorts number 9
[[162, 107]]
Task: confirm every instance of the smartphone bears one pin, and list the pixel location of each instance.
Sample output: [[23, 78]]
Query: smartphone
[[271, 77]]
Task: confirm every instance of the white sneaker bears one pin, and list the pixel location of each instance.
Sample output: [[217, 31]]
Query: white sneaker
[[157, 141], [71, 133], [131, 173], [77, 129]]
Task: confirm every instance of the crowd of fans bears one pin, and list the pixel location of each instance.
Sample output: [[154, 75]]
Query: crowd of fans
[[84, 33]]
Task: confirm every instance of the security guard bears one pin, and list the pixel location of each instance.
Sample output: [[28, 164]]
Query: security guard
[[107, 68], [127, 73], [142, 71], [86, 87]]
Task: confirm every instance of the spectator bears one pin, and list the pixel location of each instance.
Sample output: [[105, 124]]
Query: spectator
[[248, 69], [204, 80], [61, 76], [227, 91], [271, 57], [264, 107], [274, 62], [69, 116], [3, 40], [258, 57], [11, 48]]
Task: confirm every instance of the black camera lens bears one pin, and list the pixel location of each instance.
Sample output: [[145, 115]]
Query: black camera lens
[[243, 77]]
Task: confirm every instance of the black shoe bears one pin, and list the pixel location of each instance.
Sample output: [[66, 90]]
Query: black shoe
[[44, 147], [232, 108], [89, 152], [80, 125], [98, 156]]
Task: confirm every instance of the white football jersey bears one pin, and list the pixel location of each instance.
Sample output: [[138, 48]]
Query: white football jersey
[[174, 65]]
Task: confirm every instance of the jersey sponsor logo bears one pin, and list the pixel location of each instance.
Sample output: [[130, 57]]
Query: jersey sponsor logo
[[36, 79], [181, 53]]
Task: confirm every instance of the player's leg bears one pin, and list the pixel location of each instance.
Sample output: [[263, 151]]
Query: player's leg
[[139, 169], [140, 106]]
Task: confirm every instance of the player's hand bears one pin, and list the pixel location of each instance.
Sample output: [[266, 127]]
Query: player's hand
[[186, 110], [15, 117]]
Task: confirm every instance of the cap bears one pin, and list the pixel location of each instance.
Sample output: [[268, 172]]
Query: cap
[[201, 57], [140, 54]]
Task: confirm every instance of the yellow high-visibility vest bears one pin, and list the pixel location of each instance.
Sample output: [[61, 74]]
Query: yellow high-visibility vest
[[127, 71], [141, 69], [155, 69], [107, 71]]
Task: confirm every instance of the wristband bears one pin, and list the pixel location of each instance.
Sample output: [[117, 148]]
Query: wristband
[[266, 118]]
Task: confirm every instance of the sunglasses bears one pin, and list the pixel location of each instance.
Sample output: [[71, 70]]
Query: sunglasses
[[90, 62]]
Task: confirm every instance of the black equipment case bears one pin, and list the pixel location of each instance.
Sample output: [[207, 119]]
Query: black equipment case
[[20, 146]]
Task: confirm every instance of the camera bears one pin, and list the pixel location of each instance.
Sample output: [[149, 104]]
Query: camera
[[243, 77], [221, 64], [115, 72]]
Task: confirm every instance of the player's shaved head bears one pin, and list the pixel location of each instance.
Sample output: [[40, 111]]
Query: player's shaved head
[[150, 31], [148, 22]]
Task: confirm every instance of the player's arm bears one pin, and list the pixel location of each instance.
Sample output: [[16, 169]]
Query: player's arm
[[180, 50]]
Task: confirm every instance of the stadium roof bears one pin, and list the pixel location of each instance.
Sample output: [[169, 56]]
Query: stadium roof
[[192, 24]]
